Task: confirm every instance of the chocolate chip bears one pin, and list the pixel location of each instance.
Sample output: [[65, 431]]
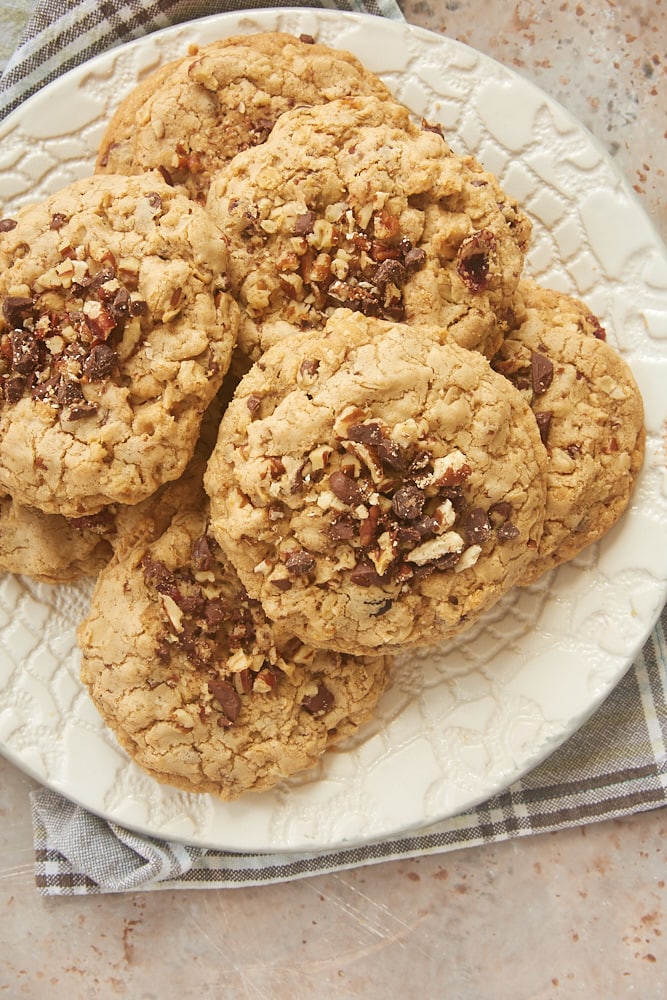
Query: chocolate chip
[[14, 388], [27, 352], [227, 697], [383, 608], [100, 363], [477, 526], [319, 703], [390, 272], [499, 512], [253, 403], [365, 433], [541, 372], [408, 502], [282, 583], [154, 200], [299, 562], [101, 523], [6, 225], [414, 258], [309, 367], [474, 259], [58, 220], [80, 410], [215, 612], [543, 419], [16, 309], [305, 223], [342, 530], [203, 559], [431, 127], [365, 575], [392, 454], [158, 574], [507, 531], [345, 489]]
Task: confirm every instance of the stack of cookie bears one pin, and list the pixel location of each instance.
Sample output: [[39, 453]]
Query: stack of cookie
[[275, 377]]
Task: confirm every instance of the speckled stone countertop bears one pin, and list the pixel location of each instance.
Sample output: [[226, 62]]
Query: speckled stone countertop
[[580, 913]]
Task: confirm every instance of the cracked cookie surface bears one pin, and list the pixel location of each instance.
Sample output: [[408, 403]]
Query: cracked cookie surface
[[590, 412], [193, 115], [350, 204], [115, 334], [199, 688], [375, 486]]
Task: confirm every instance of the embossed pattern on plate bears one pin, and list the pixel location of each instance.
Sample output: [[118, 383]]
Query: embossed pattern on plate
[[460, 723]]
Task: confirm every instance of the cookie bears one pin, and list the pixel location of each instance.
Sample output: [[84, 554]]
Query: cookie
[[115, 333], [590, 413], [191, 117], [48, 547], [376, 486], [199, 688], [351, 205]]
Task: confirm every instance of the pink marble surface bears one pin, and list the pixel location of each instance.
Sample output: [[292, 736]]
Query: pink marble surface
[[580, 913]]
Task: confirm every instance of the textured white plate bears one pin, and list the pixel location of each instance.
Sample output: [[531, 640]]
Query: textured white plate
[[461, 723]]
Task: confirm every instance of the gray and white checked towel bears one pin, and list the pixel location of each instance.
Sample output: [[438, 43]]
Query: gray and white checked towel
[[615, 765]]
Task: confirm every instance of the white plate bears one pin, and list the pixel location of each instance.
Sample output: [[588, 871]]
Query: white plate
[[461, 723]]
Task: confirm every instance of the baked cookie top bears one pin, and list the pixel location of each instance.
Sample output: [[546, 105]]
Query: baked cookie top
[[115, 332], [200, 689], [590, 413], [192, 116], [376, 486], [352, 205], [48, 547]]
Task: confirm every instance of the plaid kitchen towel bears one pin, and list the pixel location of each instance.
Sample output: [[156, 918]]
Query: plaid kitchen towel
[[613, 766], [62, 34]]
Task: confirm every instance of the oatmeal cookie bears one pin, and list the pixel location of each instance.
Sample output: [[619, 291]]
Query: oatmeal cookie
[[192, 116], [48, 547], [376, 487], [590, 414], [115, 333], [352, 205], [200, 689]]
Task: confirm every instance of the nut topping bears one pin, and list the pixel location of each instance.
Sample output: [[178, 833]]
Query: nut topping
[[65, 335], [210, 619]]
